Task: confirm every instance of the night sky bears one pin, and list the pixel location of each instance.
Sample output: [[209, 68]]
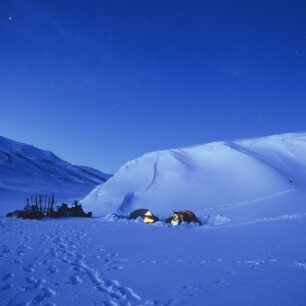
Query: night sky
[[102, 82]]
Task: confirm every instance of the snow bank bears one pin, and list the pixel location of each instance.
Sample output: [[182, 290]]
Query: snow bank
[[215, 178]]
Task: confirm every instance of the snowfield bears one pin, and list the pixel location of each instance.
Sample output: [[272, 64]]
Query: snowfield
[[251, 249], [96, 262]]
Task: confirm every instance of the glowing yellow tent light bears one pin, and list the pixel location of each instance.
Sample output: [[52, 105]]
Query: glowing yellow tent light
[[148, 220], [175, 219], [175, 222], [145, 214]]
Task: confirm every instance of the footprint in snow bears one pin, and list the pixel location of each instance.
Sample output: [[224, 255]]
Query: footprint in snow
[[44, 294], [7, 276], [29, 268], [6, 287], [74, 280], [52, 269], [33, 284]]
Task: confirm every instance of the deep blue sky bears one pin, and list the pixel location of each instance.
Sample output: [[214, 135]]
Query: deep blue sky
[[102, 82]]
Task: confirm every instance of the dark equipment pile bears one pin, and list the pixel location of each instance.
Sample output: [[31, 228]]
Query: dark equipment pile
[[42, 206]]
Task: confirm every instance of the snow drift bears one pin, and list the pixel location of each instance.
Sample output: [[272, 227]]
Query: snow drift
[[215, 178]]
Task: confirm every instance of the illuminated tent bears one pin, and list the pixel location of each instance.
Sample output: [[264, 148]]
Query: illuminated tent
[[182, 216], [145, 214]]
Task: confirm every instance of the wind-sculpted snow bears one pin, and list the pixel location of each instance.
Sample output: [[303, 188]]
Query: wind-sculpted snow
[[243, 180], [25, 169]]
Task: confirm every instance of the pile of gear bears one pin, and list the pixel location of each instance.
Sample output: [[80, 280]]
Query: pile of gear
[[75, 210], [176, 219], [42, 206]]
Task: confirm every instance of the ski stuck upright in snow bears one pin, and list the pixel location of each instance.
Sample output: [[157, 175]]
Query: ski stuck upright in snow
[[41, 206]]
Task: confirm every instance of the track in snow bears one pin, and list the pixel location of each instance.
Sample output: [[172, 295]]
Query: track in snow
[[91, 262]]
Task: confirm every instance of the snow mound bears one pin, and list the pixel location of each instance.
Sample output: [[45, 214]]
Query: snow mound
[[237, 179]]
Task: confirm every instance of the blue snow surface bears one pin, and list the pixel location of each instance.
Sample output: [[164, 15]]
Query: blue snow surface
[[250, 250]]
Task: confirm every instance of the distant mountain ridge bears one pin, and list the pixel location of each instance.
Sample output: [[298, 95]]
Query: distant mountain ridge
[[26, 169]]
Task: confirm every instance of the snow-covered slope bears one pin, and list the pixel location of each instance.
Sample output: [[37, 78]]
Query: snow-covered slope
[[243, 180], [25, 169], [254, 254]]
